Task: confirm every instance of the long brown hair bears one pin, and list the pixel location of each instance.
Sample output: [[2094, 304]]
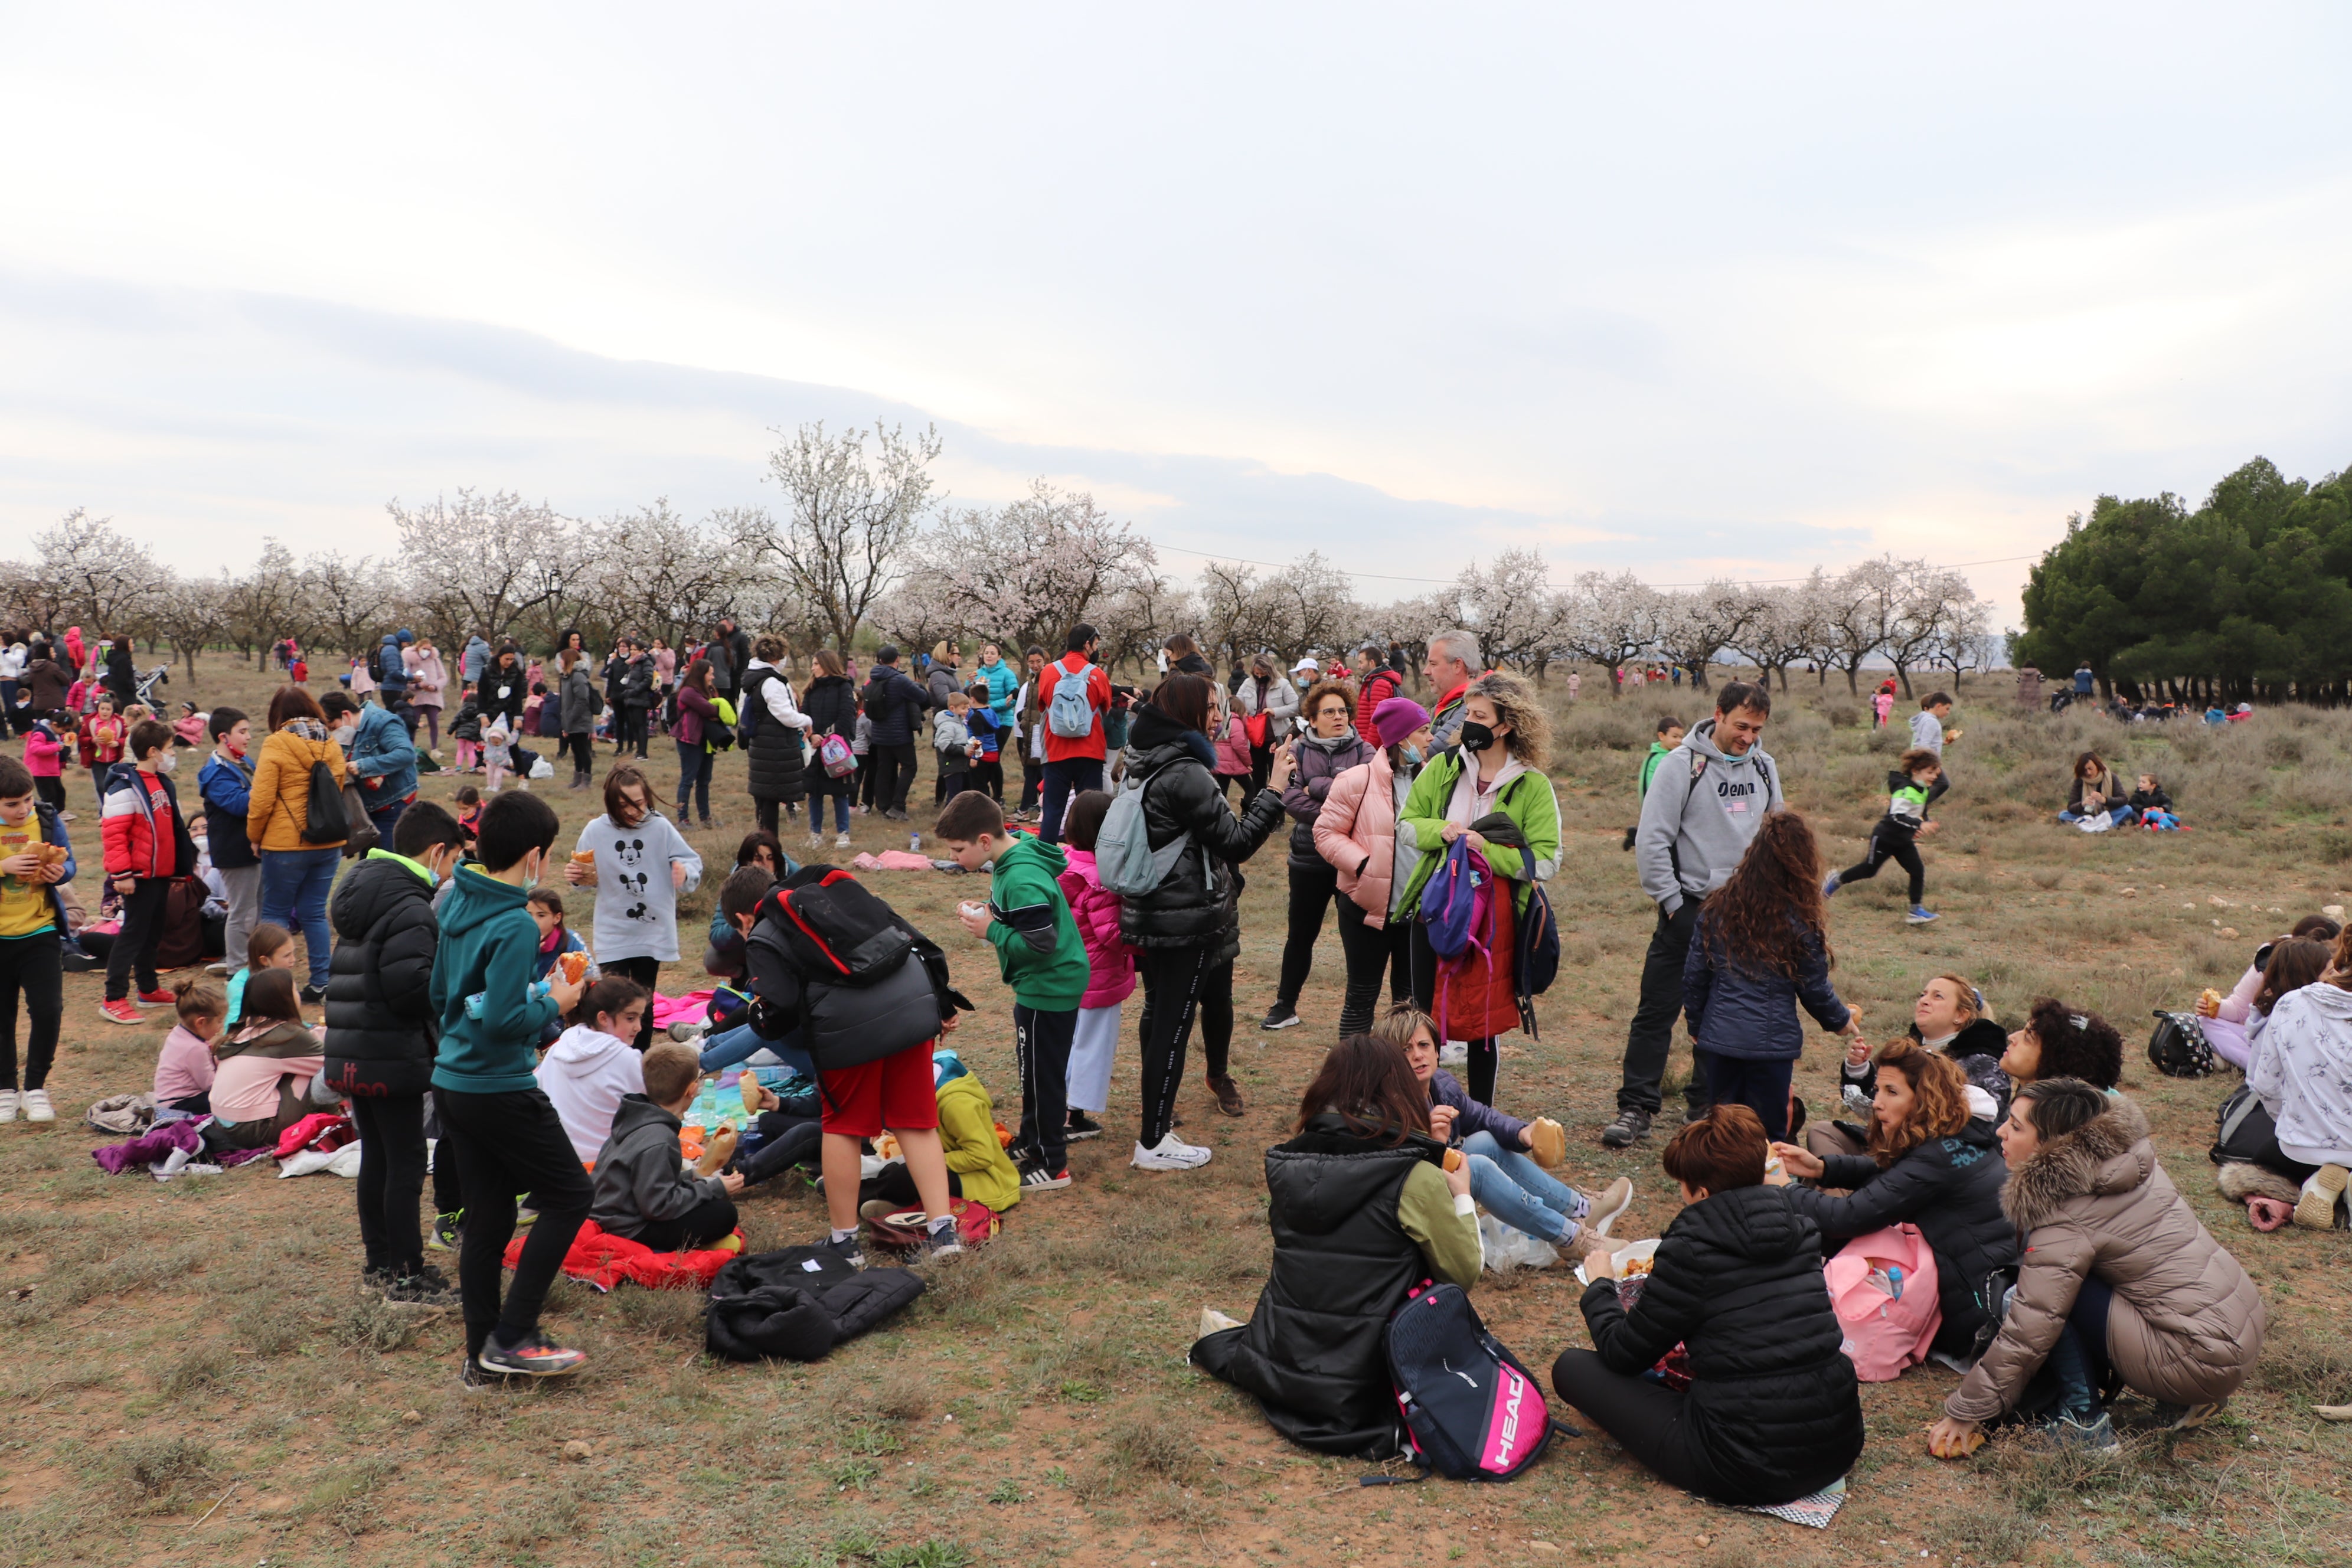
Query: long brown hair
[[1761, 918], [2294, 964], [699, 676], [1939, 1105], [1369, 1085]]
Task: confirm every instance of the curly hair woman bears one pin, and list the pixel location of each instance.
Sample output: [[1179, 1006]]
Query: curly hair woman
[[1930, 1162], [1488, 788], [2058, 1042], [1760, 950]]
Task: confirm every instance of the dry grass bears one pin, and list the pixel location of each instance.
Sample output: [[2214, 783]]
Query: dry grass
[[1033, 1404]]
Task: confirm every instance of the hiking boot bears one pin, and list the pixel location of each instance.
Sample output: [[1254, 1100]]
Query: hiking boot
[[424, 1291], [122, 1010], [1036, 1178], [531, 1356], [2082, 1431], [1604, 1206], [37, 1107], [446, 1232], [844, 1249], [1081, 1128], [2315, 1211], [1631, 1126], [1281, 1016], [1229, 1096], [1169, 1154], [1921, 915]]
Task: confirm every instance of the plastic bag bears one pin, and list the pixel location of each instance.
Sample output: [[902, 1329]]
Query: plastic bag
[[1508, 1247], [541, 768]]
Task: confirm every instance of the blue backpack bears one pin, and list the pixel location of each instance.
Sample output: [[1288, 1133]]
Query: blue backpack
[[1457, 902]]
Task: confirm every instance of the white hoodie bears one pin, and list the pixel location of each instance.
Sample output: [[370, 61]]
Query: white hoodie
[[585, 1073], [2300, 1069]]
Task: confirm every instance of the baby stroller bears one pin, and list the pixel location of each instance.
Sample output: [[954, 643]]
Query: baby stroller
[[159, 675]]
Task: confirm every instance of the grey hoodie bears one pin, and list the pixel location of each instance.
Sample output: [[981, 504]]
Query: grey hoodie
[[640, 1176], [1700, 826]]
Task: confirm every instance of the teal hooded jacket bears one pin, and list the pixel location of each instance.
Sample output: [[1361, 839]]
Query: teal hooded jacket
[[489, 946]]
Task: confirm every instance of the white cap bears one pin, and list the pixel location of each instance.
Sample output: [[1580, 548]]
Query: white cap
[[1307, 663]]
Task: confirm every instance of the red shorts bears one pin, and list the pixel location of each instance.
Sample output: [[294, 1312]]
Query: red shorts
[[894, 1092]]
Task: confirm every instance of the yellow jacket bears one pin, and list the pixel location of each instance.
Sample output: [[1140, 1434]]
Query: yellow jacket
[[967, 1128], [280, 800]]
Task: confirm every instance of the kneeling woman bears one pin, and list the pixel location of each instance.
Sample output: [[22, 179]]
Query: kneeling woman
[[2117, 1278], [1363, 1210], [1773, 1412], [1509, 1185], [1928, 1162]]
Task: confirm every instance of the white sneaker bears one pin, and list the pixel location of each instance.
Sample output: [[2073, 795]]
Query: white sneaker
[[841, 841], [817, 840], [7, 1105], [38, 1108], [1169, 1154]]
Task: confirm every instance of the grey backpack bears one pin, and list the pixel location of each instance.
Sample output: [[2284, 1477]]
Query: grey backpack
[[1124, 856]]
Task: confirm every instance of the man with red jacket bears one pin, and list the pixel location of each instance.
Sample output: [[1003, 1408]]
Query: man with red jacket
[[1073, 763], [1375, 684], [147, 848]]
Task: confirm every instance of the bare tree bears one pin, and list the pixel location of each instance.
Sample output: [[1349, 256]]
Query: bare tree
[[1934, 606], [1509, 607], [267, 602], [351, 599], [191, 612], [1025, 573], [1864, 609], [1789, 624], [842, 543]]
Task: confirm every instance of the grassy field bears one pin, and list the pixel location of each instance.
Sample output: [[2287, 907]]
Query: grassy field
[[193, 1377]]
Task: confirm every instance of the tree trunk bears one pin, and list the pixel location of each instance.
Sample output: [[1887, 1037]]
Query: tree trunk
[[1902, 674]]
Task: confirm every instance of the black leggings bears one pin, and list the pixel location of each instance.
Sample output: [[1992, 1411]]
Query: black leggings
[[1177, 981], [392, 1178], [646, 971], [583, 747], [1312, 889], [1370, 951], [34, 965], [1897, 846]]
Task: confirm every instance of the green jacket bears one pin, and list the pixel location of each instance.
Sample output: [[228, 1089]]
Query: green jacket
[[490, 947], [1038, 948], [968, 1130], [1659, 753], [1527, 800]]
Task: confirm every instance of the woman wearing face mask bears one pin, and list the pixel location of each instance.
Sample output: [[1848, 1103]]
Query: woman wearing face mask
[[297, 873], [1328, 748], [1356, 834], [1488, 788], [1266, 693]]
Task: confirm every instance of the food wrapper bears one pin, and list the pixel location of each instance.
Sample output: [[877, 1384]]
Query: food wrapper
[[1629, 1261]]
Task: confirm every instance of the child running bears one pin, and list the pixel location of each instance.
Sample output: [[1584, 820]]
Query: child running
[[1909, 787]]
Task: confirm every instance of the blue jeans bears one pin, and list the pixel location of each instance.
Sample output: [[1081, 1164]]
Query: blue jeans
[[840, 808], [1520, 1193], [294, 888], [742, 1043], [387, 818], [693, 773]]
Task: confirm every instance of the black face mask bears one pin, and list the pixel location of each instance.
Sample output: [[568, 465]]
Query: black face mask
[[1476, 737]]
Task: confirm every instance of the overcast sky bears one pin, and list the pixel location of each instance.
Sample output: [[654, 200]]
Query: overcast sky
[[1688, 289]]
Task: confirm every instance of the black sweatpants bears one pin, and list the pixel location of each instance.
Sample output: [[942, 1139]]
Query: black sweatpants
[[646, 971], [392, 1179], [135, 943], [629, 735], [1896, 844], [894, 773], [712, 1219], [1312, 889], [34, 966], [1371, 951], [1041, 1045], [1651, 1034], [51, 791], [507, 1144], [1177, 982], [1645, 1417], [990, 777]]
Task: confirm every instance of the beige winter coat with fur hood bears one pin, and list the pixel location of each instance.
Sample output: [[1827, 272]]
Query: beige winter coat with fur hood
[[2186, 1324]]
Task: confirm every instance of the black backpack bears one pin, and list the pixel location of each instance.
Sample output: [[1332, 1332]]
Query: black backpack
[[2178, 1049], [834, 928], [1474, 1410], [323, 821], [2243, 1132]]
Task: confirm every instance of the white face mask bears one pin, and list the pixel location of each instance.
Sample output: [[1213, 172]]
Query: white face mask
[[167, 762], [343, 736]]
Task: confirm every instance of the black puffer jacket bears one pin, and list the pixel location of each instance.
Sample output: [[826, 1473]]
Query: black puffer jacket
[[121, 676], [1314, 1352], [1738, 1280], [1195, 907], [511, 683], [895, 704], [1949, 1188], [844, 1026], [1977, 1048], [775, 752], [381, 1037], [830, 703]]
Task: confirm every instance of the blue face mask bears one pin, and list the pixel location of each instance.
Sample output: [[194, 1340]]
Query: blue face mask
[[1413, 754]]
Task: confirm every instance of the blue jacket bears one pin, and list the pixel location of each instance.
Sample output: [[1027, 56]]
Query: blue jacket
[[488, 947], [226, 788], [381, 746], [391, 671], [1736, 1012], [1003, 686], [1474, 1116], [895, 704]]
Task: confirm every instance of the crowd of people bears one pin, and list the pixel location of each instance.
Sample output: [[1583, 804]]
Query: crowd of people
[[459, 1006]]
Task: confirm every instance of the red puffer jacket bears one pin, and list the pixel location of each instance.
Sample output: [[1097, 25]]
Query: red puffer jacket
[[1378, 687], [144, 834]]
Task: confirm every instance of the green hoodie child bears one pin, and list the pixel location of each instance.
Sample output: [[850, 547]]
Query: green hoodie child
[[1042, 958], [1669, 736]]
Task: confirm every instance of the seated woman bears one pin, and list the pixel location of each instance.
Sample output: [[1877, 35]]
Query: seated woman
[[1930, 1161], [271, 1070], [2097, 792], [2058, 1042], [2301, 1069], [2229, 1025], [1363, 1210], [1949, 1017], [2117, 1280], [1505, 1182], [1773, 1412]]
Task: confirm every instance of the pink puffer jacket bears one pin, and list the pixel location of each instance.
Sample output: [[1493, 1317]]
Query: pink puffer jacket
[[1111, 963], [1356, 831], [1233, 751]]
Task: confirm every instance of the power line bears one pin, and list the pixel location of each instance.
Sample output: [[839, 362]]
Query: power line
[[1392, 578]]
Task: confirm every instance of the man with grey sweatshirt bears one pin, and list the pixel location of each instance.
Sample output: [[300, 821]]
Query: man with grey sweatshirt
[[1707, 799]]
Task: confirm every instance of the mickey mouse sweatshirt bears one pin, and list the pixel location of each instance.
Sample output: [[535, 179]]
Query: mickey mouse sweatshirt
[[637, 908]]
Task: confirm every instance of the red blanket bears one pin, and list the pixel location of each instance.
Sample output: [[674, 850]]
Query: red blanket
[[603, 1260]]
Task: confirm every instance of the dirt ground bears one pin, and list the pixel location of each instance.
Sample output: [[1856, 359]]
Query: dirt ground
[[193, 1376]]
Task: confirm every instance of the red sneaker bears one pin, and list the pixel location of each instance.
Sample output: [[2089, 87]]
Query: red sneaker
[[156, 998], [122, 1011]]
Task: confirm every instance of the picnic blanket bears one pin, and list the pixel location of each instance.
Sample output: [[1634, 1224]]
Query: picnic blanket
[[693, 1007], [892, 861], [1814, 1512], [602, 1260]]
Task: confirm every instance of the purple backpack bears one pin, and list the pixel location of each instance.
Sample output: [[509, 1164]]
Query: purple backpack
[[1457, 902]]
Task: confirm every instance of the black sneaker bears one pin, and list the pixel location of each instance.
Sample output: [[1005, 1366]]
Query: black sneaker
[[944, 1245], [845, 1250], [312, 996], [425, 1290], [531, 1356], [448, 1231], [1631, 1126], [1081, 1128], [376, 1281], [472, 1379], [1036, 1178], [1281, 1016]]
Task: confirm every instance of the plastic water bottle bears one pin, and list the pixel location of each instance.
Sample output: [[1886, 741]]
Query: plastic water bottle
[[915, 842], [1894, 1280]]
